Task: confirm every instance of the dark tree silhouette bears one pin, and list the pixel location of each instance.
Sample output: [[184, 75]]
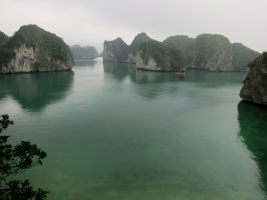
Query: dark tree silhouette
[[14, 160]]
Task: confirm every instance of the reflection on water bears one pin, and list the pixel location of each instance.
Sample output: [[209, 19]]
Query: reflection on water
[[118, 70], [87, 63], [179, 142], [253, 130], [160, 83], [34, 91], [213, 79]]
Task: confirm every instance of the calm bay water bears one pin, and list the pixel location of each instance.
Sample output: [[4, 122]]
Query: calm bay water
[[112, 132]]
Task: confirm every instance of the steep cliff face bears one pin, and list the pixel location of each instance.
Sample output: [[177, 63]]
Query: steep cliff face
[[87, 52], [255, 86], [115, 51], [210, 52], [135, 45], [213, 53], [148, 64], [34, 49], [155, 56]]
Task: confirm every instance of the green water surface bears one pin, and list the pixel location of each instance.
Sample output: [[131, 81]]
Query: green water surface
[[114, 133]]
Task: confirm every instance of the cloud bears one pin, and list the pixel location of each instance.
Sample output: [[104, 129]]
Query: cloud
[[91, 22]]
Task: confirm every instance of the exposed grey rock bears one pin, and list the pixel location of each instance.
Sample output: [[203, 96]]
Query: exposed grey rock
[[26, 58], [34, 49], [211, 52], [255, 86], [115, 51]]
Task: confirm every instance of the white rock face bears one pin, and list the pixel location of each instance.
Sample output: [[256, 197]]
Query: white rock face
[[220, 61], [24, 62], [255, 85], [150, 65]]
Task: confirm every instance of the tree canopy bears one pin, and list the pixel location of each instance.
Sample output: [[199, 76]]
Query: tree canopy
[[14, 160]]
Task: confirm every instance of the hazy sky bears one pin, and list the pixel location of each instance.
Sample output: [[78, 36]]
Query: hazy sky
[[88, 22]]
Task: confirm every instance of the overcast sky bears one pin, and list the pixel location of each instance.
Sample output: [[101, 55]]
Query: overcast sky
[[88, 22]]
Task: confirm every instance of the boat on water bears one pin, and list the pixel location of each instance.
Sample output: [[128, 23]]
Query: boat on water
[[180, 74]]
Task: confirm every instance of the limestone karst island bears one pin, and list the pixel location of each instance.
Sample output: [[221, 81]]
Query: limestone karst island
[[133, 100]]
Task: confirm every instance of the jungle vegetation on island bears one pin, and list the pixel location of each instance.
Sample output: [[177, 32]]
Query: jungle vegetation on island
[[48, 44]]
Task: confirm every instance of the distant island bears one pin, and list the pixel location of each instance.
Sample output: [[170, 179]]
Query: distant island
[[87, 52], [210, 52], [255, 86], [33, 49]]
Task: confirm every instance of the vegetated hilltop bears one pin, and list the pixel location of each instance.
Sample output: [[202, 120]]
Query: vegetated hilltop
[[34, 49], [212, 52], [3, 38], [116, 51]]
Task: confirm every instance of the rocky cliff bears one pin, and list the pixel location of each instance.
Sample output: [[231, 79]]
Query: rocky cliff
[[213, 53], [115, 51], [185, 45], [242, 56], [135, 45], [255, 86], [34, 49], [210, 52], [87, 52], [155, 56]]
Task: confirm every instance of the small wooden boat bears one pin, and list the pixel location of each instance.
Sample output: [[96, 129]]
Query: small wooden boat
[[180, 74]]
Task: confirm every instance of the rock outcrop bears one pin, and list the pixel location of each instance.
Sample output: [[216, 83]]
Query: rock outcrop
[[155, 56], [242, 56], [211, 52], [135, 45], [87, 52], [34, 49], [255, 85], [115, 51]]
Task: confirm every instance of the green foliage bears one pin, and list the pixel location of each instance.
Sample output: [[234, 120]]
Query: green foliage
[[5, 123], [22, 190], [119, 49], [264, 55], [242, 55], [138, 40], [207, 45], [3, 38], [48, 44], [14, 160], [185, 45], [181, 42], [197, 52], [177, 59], [6, 55], [157, 51], [164, 56]]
